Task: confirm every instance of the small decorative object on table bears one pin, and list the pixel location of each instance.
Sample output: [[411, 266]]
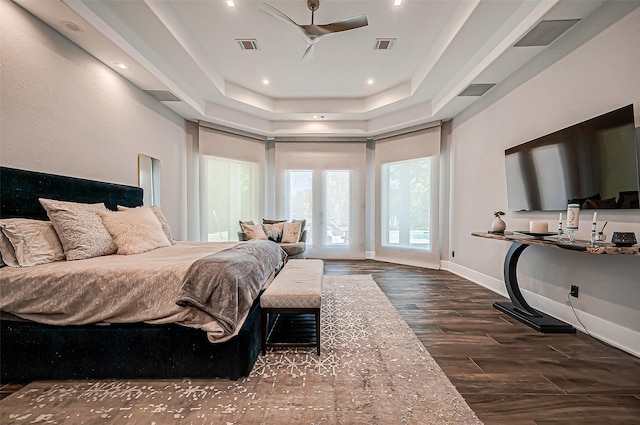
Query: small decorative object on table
[[602, 237], [594, 236], [560, 231], [624, 238], [498, 224], [573, 220]]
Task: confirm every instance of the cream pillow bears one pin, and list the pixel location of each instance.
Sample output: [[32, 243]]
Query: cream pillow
[[254, 231], [291, 232], [135, 230], [34, 241], [79, 228], [161, 218]]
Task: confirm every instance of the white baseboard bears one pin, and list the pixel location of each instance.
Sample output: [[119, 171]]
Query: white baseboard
[[370, 255], [488, 282], [618, 336]]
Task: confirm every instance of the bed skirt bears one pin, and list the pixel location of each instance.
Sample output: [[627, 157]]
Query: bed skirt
[[32, 351]]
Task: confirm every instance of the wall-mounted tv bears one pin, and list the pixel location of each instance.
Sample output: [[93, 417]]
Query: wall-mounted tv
[[593, 163]]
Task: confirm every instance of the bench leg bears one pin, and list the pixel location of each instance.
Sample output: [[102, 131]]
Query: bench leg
[[265, 320], [317, 314]]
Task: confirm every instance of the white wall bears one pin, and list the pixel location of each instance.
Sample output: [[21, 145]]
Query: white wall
[[64, 112], [597, 77]]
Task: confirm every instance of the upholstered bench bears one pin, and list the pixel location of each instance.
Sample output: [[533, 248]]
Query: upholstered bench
[[297, 289]]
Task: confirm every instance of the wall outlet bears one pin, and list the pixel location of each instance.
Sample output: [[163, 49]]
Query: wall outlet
[[574, 291]]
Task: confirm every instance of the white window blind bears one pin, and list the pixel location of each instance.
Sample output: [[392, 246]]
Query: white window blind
[[323, 182], [407, 194], [231, 183]]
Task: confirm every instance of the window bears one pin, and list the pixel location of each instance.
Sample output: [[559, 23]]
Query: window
[[323, 183], [406, 173], [232, 195], [337, 206], [406, 203], [301, 199]]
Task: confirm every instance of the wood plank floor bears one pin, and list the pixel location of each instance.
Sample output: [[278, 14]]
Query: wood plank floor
[[507, 372]]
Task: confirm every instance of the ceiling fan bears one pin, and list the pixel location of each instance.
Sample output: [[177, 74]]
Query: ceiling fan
[[314, 32]]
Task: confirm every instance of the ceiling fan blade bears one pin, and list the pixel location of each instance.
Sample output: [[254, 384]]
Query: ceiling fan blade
[[337, 26], [270, 10], [307, 56]]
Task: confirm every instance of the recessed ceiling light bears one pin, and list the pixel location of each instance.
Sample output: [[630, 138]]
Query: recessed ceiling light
[[265, 81], [230, 3], [370, 81], [397, 2], [122, 66]]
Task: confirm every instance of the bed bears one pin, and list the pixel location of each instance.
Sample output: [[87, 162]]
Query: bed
[[157, 339]]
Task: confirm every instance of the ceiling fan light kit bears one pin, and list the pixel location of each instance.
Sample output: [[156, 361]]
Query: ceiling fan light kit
[[313, 32]]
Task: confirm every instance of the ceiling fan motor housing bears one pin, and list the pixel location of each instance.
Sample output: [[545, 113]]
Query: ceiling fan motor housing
[[313, 5]]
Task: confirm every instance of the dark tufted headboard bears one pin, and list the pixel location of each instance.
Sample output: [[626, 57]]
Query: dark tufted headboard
[[20, 190]]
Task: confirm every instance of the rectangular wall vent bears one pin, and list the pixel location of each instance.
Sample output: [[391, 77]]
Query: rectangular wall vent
[[476, 89], [545, 33], [247, 43], [384, 43], [162, 95]]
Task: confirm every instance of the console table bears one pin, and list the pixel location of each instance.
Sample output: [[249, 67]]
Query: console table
[[518, 308]]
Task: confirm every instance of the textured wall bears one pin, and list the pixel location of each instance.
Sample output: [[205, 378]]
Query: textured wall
[[64, 112]]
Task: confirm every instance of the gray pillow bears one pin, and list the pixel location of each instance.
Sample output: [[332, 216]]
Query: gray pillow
[[80, 228], [273, 231]]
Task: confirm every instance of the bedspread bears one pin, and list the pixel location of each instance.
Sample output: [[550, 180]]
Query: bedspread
[[112, 289]]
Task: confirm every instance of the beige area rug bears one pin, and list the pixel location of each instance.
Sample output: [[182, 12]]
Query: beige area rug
[[373, 370]]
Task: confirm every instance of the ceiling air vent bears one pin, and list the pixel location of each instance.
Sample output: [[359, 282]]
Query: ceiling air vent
[[476, 89], [247, 43], [545, 33], [384, 43], [162, 95]]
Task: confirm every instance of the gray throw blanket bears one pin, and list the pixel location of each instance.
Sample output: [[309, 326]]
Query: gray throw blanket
[[225, 284]]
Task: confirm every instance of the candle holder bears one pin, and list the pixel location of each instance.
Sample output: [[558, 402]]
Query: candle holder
[[601, 238], [571, 234], [593, 240]]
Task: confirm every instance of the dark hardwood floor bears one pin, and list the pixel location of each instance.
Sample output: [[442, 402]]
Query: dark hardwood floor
[[507, 372]]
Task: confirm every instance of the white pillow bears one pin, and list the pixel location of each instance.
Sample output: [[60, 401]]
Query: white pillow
[[79, 228], [161, 218], [34, 241], [135, 230]]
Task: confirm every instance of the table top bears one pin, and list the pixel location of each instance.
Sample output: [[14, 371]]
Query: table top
[[552, 242]]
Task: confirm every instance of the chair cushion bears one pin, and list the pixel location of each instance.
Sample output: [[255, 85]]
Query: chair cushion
[[293, 249]]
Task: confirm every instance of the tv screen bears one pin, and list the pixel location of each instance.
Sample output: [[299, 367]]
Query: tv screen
[[593, 163]]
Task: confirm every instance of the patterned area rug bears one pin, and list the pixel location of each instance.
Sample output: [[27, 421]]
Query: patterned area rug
[[373, 370]]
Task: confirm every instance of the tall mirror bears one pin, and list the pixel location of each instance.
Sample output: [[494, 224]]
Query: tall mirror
[[149, 179]]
